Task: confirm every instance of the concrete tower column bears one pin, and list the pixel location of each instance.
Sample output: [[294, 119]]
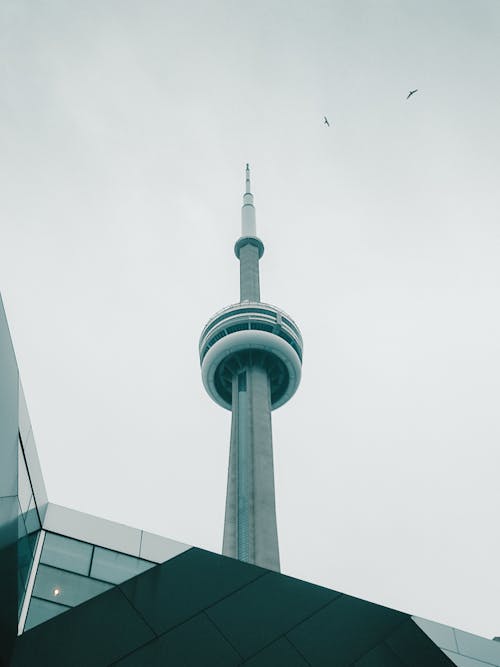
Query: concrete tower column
[[249, 273], [250, 529]]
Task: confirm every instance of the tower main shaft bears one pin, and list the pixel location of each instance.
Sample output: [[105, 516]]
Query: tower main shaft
[[251, 357], [250, 530]]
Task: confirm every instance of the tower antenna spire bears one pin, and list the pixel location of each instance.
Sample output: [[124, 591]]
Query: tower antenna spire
[[248, 226]]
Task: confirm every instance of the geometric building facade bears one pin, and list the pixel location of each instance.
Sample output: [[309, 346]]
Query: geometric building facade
[[203, 609], [77, 590]]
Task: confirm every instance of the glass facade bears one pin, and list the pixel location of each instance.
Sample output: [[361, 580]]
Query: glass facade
[[67, 554], [116, 567], [28, 524], [462, 648], [9, 505], [71, 571], [202, 609]]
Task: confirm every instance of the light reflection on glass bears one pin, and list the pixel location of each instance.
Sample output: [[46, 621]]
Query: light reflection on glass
[[74, 571]]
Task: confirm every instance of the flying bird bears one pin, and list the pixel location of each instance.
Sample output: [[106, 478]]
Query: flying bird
[[325, 121], [412, 92]]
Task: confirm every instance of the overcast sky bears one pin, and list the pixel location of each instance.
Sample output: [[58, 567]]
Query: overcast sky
[[124, 130]]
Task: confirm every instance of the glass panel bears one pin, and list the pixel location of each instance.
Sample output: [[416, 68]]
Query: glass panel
[[24, 489], [9, 387], [462, 660], [35, 472], [115, 567], [160, 549], [25, 549], [478, 647], [66, 553], [67, 588], [41, 610], [442, 635], [24, 418], [92, 529], [31, 517], [21, 526]]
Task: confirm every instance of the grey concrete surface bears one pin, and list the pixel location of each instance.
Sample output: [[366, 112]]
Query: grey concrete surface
[[250, 529]]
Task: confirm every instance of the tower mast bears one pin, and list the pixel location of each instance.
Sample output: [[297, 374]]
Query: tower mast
[[249, 248], [251, 358]]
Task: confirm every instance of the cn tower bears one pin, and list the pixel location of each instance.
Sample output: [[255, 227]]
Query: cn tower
[[251, 360]]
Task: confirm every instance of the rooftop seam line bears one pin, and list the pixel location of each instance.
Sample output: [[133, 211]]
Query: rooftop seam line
[[140, 543], [455, 640], [383, 642], [277, 638], [469, 656], [211, 620], [398, 626], [236, 590], [191, 616], [295, 648], [383, 639], [295, 625], [137, 611]]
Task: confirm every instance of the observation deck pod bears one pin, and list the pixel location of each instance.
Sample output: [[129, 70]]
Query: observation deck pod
[[251, 333]]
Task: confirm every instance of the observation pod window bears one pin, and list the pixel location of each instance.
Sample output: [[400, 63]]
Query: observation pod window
[[250, 317], [258, 326]]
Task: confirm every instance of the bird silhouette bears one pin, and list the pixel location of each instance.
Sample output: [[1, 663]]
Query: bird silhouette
[[412, 92], [325, 121]]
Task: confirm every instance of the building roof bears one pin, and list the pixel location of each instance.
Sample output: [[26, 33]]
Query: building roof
[[200, 608]]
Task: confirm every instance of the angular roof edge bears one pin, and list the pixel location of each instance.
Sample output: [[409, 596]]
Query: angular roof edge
[[110, 534]]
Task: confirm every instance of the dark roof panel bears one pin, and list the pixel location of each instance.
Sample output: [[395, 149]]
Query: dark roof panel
[[267, 608], [347, 628], [174, 591], [278, 654], [97, 633], [409, 643], [203, 609], [196, 643]]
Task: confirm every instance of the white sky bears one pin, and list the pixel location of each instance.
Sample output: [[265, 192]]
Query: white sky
[[124, 129]]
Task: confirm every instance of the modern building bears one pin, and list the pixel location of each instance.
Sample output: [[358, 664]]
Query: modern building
[[77, 590]]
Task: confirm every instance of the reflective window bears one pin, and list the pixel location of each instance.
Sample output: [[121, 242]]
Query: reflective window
[[21, 525], [28, 525], [40, 611], [93, 530], [71, 572], [31, 517], [66, 553], [24, 486], [25, 496], [64, 587], [25, 549], [116, 567]]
